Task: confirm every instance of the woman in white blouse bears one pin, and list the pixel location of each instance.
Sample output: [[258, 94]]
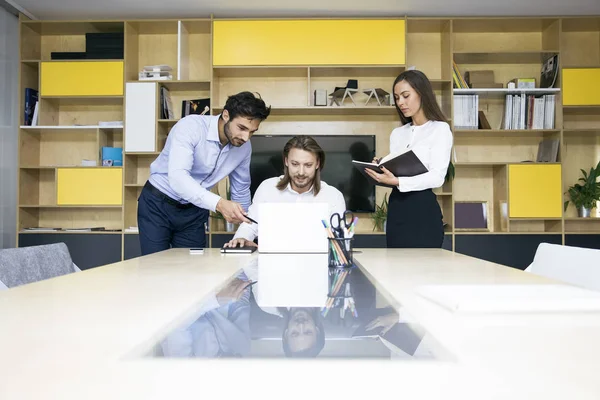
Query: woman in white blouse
[[414, 215]]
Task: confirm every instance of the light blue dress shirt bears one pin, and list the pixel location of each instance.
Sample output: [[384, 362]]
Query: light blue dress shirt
[[193, 161]]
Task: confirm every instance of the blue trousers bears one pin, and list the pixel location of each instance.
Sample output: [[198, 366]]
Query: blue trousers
[[164, 224]]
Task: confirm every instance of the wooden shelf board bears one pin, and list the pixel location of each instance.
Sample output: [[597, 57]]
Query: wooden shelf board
[[505, 91], [329, 110], [77, 206], [70, 232], [68, 127]]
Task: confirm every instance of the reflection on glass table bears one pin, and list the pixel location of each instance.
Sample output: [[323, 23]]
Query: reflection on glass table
[[295, 306]]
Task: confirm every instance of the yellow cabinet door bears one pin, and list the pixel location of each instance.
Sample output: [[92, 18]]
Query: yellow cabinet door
[[534, 191], [82, 78], [581, 86], [89, 186], [309, 42]]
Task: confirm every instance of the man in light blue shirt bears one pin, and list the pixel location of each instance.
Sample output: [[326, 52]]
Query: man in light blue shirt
[[200, 151]]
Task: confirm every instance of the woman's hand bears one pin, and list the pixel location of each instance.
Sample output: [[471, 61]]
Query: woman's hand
[[386, 178]]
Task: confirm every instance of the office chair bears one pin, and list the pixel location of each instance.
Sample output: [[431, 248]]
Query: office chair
[[24, 265]]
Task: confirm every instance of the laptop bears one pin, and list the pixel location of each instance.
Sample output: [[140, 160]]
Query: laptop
[[292, 227]]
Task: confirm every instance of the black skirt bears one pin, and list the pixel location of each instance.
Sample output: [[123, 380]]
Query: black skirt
[[414, 220]]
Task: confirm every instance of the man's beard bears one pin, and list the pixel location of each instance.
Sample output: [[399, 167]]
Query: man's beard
[[306, 182], [227, 132]]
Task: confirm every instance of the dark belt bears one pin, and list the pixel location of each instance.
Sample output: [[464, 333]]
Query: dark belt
[[166, 198]]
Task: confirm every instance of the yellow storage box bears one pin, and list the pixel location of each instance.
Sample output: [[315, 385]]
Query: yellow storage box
[[581, 86], [534, 191], [90, 186], [309, 42], [82, 78]]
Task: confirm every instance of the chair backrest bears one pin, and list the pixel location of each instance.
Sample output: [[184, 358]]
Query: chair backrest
[[31, 264], [574, 265]]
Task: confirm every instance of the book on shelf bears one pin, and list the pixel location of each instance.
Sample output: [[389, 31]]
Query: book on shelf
[[31, 99], [529, 111], [400, 164], [157, 68], [166, 105], [41, 229], [548, 150], [549, 72], [459, 80], [466, 111], [90, 229]]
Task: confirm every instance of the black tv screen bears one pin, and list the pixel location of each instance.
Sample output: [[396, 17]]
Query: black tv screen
[[340, 150]]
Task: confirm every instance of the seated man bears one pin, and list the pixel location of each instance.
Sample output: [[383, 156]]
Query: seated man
[[301, 182]]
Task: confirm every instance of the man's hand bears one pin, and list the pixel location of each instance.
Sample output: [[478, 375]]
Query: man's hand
[[232, 291], [387, 177], [232, 211], [240, 242]]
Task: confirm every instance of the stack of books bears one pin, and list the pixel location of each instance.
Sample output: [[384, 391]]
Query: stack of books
[[156, 73]]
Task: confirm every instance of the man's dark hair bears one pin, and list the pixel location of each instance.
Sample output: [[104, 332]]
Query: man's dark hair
[[247, 105]]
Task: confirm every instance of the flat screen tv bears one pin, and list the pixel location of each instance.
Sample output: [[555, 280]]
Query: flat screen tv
[[340, 150]]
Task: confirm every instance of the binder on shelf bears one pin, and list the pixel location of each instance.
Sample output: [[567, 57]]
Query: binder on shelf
[[403, 164], [31, 99], [112, 156]]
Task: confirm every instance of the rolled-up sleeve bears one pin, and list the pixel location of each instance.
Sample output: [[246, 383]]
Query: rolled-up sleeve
[[240, 182]]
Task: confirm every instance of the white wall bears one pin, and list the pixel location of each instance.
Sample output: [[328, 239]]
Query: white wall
[[9, 62]]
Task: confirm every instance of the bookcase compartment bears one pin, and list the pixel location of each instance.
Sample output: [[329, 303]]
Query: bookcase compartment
[[60, 147], [581, 119], [194, 45], [150, 42], [580, 151], [580, 42], [137, 168], [71, 217], [80, 111], [278, 87], [31, 41], [484, 183], [535, 225], [328, 78], [498, 146], [428, 47], [37, 186], [132, 193], [185, 90], [502, 35]]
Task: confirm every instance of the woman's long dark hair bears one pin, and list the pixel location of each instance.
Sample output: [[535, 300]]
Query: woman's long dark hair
[[420, 83]]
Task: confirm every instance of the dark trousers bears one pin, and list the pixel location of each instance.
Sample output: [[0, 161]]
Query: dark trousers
[[414, 220], [163, 223]]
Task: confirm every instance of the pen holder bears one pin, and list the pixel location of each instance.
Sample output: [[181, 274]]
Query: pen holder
[[340, 252]]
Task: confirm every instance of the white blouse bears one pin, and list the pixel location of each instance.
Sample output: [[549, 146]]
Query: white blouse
[[432, 143]]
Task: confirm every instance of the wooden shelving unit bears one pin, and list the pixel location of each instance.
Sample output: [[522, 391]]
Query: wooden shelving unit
[[68, 128]]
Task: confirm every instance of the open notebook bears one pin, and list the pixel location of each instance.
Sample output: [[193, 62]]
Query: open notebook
[[511, 298]]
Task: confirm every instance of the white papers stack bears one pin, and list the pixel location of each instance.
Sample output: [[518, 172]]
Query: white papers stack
[[156, 73], [511, 298]]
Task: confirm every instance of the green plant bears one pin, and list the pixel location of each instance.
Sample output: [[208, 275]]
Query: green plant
[[450, 173], [588, 193], [380, 214]]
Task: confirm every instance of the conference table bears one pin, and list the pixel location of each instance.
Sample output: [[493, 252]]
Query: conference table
[[120, 330]]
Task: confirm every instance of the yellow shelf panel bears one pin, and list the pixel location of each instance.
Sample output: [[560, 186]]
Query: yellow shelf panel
[[80, 78], [309, 42], [581, 86], [534, 191], [89, 186]]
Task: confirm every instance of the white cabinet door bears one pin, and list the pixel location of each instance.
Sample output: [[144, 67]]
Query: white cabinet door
[[140, 117]]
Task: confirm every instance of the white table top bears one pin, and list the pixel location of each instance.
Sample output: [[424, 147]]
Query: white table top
[[82, 336]]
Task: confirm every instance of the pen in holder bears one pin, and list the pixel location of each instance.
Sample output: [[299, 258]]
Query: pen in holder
[[340, 252]]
